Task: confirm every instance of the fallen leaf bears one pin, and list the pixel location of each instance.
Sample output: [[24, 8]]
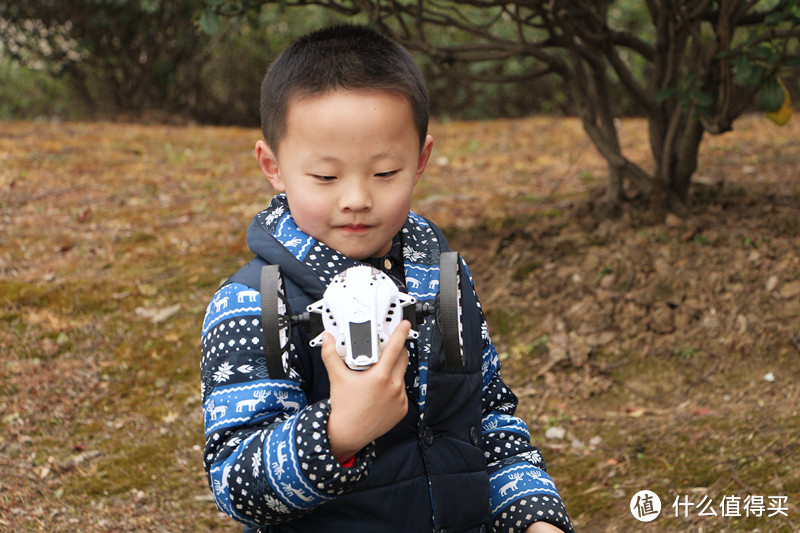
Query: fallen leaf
[[672, 220], [790, 290], [635, 412], [157, 315], [771, 284], [555, 433]]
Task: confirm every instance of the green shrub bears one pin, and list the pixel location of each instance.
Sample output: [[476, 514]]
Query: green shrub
[[27, 93]]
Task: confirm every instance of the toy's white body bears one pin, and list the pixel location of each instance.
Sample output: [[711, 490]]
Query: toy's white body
[[361, 308]]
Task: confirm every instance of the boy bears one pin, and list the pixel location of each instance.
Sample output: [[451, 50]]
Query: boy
[[409, 444]]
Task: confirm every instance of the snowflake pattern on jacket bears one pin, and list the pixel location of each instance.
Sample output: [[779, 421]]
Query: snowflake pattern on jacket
[[267, 453]]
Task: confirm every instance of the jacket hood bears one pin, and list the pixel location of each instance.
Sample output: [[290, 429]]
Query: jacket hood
[[274, 237]]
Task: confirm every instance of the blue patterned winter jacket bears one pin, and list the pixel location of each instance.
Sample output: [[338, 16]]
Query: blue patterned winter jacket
[[459, 461]]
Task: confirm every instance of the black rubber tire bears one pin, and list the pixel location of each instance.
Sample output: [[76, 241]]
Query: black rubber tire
[[274, 320], [449, 315]]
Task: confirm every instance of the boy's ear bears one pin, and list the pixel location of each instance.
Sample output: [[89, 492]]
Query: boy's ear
[[424, 156], [268, 164]]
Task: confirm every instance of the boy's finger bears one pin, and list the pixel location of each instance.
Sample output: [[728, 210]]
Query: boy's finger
[[330, 357], [396, 344]]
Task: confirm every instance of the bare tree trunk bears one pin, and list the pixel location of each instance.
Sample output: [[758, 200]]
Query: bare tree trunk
[[686, 154], [614, 186], [588, 84], [675, 144]]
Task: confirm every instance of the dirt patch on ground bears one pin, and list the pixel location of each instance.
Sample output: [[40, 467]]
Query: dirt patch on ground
[[648, 352]]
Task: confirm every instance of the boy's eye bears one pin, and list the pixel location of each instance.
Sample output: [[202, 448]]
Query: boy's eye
[[386, 174], [323, 178]]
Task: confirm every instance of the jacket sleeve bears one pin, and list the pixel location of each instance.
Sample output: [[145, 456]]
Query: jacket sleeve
[[521, 491], [267, 454]]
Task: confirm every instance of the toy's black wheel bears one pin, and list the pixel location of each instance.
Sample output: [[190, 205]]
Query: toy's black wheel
[[450, 305], [275, 322]]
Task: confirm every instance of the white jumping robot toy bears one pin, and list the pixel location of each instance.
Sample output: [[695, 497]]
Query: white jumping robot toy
[[360, 308]]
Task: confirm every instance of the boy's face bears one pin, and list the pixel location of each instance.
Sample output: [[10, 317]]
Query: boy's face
[[348, 165]]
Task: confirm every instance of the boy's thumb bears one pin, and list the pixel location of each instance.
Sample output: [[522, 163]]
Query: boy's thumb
[[329, 355]]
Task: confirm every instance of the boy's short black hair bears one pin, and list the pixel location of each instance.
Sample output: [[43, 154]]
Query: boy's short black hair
[[344, 56]]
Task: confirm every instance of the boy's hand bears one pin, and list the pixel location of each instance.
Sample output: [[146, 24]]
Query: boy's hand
[[542, 527], [366, 404]]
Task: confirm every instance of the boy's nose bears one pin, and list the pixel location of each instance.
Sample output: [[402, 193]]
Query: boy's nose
[[356, 198]]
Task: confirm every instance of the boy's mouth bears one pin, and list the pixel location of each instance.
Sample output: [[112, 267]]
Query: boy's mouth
[[355, 228]]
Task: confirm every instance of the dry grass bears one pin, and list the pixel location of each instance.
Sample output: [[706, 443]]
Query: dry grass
[[646, 340]]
